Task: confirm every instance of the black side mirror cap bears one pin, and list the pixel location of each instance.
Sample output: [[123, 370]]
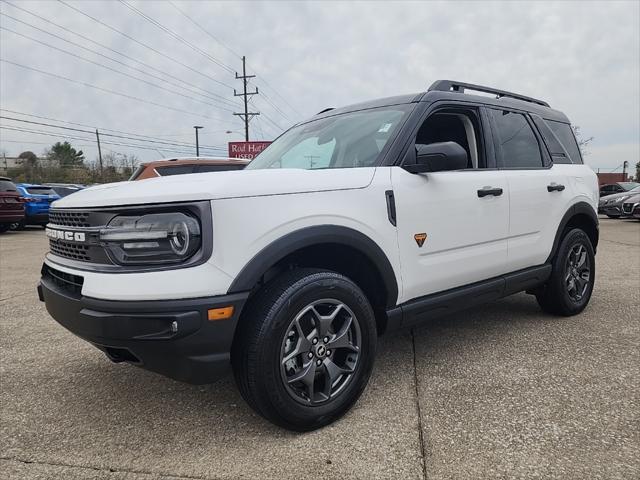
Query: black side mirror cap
[[437, 157]]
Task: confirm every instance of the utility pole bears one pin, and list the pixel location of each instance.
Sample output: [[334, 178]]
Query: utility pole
[[247, 116], [197, 127], [99, 152]]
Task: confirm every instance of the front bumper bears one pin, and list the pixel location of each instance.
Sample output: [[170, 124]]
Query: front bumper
[[614, 210], [170, 337]]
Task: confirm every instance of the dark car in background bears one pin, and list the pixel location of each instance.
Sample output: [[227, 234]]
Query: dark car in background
[[11, 206], [64, 189], [611, 205], [619, 187], [37, 199]]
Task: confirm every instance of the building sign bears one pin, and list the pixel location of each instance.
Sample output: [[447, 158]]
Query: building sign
[[248, 150]]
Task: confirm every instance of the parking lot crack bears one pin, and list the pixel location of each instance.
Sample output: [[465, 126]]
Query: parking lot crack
[[108, 469], [418, 411]]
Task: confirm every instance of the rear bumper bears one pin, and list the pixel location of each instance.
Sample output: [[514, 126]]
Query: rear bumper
[[9, 216], [170, 337]]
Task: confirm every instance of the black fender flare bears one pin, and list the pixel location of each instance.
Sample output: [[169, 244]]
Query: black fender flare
[[316, 235], [575, 209]]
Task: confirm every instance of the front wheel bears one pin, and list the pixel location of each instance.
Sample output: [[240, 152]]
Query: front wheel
[[569, 288], [305, 349], [612, 216]]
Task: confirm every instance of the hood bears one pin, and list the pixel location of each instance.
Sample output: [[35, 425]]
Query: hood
[[218, 185]]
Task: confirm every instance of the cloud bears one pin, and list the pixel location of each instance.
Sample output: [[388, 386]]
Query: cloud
[[582, 57]]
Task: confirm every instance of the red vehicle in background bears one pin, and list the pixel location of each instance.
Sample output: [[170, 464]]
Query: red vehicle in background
[[180, 166], [11, 204]]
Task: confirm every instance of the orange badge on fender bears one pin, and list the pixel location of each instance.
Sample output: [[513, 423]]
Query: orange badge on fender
[[420, 238]]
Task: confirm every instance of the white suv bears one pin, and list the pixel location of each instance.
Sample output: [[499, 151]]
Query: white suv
[[356, 222]]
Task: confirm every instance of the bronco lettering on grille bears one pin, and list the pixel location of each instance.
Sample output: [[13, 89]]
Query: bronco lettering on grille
[[65, 235]]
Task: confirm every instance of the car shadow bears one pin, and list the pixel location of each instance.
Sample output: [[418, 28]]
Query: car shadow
[[133, 396]]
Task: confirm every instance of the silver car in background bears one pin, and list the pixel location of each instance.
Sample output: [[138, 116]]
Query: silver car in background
[[611, 205]]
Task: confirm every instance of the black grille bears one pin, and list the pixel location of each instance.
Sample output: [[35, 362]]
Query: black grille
[[69, 250], [66, 281], [627, 208], [69, 219]]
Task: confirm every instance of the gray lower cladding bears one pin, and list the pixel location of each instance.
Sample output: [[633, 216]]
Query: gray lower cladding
[[170, 337]]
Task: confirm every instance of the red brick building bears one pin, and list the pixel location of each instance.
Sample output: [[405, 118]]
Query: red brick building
[[607, 178]]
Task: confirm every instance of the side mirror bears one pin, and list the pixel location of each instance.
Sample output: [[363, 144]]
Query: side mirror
[[437, 157]]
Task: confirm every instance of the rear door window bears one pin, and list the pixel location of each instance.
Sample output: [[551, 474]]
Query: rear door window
[[517, 142]]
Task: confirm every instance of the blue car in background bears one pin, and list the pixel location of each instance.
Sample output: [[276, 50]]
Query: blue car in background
[[37, 200]]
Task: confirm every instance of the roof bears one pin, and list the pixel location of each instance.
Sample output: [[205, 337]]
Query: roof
[[456, 91]]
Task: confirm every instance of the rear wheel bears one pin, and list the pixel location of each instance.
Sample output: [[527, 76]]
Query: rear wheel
[[4, 227], [305, 349], [569, 288]]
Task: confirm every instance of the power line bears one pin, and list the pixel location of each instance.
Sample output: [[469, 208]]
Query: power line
[[233, 52], [71, 137], [204, 30], [143, 44], [146, 65], [162, 142], [131, 97], [116, 71], [86, 125], [178, 37]]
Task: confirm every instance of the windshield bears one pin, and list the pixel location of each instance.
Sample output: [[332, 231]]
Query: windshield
[[40, 190], [347, 140], [628, 186]]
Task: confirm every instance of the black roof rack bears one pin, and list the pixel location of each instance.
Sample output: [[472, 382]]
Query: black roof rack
[[325, 110], [453, 86]]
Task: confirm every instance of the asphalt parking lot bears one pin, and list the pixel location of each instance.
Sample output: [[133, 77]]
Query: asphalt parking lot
[[503, 391]]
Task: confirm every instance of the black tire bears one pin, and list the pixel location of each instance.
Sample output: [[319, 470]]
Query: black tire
[[4, 227], [19, 226], [557, 296], [612, 216], [269, 322]]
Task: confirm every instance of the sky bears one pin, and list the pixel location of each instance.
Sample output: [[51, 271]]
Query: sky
[[173, 66]]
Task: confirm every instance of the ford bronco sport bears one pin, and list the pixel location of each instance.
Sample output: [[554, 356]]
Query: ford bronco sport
[[357, 222]]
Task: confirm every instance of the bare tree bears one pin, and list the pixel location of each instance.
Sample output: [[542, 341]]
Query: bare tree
[[583, 143]]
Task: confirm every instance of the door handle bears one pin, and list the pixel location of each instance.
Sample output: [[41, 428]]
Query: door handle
[[555, 187], [484, 191]]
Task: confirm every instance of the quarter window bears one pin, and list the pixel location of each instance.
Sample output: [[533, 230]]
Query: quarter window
[[519, 145], [564, 134]]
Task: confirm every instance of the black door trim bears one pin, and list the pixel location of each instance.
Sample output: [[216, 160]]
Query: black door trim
[[460, 298]]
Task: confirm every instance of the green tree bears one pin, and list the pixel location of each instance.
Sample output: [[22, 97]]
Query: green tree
[[29, 158], [66, 156]]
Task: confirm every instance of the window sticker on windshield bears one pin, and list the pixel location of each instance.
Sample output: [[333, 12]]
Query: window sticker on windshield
[[385, 128]]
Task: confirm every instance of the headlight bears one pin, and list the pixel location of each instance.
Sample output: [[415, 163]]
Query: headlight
[[621, 199], [155, 238]]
